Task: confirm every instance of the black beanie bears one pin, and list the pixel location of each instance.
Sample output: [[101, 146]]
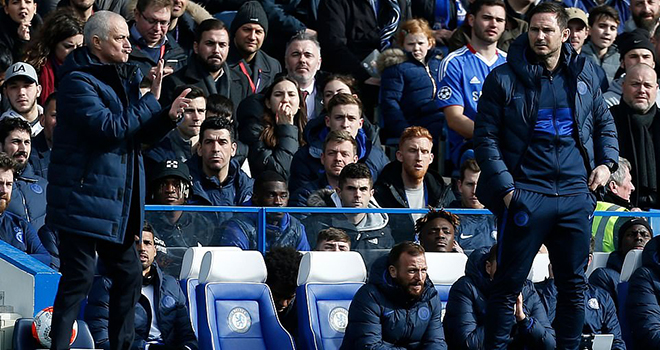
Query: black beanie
[[629, 223], [250, 12], [637, 39]]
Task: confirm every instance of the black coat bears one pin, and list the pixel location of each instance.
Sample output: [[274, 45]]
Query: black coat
[[264, 72]]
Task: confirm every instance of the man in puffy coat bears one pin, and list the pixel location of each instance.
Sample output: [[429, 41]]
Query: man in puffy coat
[[96, 186], [465, 317], [399, 308], [161, 316], [544, 140], [643, 302]]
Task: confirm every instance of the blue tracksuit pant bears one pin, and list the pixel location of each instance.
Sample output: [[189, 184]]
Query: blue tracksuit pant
[[563, 224]]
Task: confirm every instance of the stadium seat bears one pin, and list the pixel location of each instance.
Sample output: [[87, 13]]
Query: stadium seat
[[444, 269], [188, 278], [235, 308], [600, 260], [23, 339], [327, 282], [632, 261], [539, 271]]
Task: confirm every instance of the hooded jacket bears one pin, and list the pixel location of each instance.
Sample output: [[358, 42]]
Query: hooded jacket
[[408, 92], [610, 61], [172, 317], [383, 316], [373, 232], [28, 197], [607, 278], [512, 99], [262, 70], [308, 158], [390, 193], [234, 191], [465, 316], [643, 302], [241, 231], [96, 161]]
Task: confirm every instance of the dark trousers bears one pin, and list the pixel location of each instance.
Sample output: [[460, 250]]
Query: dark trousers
[[78, 266], [563, 224]]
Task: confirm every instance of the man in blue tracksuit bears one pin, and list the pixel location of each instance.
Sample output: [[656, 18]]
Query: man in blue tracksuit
[[544, 139]]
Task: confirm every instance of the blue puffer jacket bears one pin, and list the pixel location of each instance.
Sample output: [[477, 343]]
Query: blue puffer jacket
[[607, 278], [236, 190], [408, 92], [466, 312], [21, 235], [241, 231], [96, 167], [600, 316], [382, 316], [171, 317], [643, 302], [511, 99], [307, 160], [28, 197]]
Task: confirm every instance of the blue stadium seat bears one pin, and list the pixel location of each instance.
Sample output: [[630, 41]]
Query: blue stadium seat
[[235, 308], [23, 339], [444, 269], [327, 282], [632, 261], [188, 278]]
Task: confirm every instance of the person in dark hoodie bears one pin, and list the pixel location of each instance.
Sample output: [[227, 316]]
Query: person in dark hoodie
[[643, 302], [399, 306], [344, 113], [600, 312], [409, 81], [544, 140], [633, 234], [217, 178], [367, 230], [465, 317], [408, 183], [282, 229]]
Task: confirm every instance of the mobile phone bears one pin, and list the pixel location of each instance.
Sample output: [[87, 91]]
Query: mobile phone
[[171, 63]]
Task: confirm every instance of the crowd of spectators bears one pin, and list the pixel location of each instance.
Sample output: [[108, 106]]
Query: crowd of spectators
[[321, 103]]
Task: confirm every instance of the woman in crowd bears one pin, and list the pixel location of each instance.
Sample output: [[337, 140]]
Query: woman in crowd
[[338, 83], [283, 124], [408, 86], [18, 23], [61, 33]]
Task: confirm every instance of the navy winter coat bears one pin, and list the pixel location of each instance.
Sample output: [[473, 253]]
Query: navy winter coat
[[643, 302], [507, 113], [307, 159], [241, 231], [171, 317], [600, 316], [236, 190], [21, 235], [607, 278], [408, 92], [96, 167], [28, 197], [465, 315], [382, 316]]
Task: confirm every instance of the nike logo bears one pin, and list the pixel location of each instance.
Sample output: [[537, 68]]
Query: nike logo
[[591, 216], [464, 236]]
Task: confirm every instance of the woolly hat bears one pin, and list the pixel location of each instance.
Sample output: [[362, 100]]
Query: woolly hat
[[250, 12], [629, 223], [637, 39]]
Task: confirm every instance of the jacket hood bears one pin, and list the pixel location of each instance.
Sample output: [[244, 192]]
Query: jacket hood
[[527, 69], [389, 58], [650, 256], [81, 59], [380, 277], [476, 268]]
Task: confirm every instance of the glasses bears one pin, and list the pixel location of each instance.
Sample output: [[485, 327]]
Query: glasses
[[152, 22]]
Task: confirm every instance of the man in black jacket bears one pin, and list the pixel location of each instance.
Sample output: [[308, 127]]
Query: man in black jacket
[[407, 182], [161, 315], [207, 68]]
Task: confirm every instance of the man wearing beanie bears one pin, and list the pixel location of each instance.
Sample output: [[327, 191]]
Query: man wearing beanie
[[634, 47], [248, 32], [633, 234], [638, 128]]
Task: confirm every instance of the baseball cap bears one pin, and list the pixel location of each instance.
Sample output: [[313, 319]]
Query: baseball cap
[[21, 69], [576, 13], [169, 168]]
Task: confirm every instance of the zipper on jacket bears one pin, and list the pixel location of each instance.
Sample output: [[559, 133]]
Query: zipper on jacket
[[435, 87], [556, 140]]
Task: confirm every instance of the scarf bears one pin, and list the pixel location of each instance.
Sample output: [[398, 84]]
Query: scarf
[[47, 78]]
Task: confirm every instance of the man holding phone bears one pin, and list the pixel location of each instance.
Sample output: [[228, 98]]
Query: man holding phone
[[148, 36]]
